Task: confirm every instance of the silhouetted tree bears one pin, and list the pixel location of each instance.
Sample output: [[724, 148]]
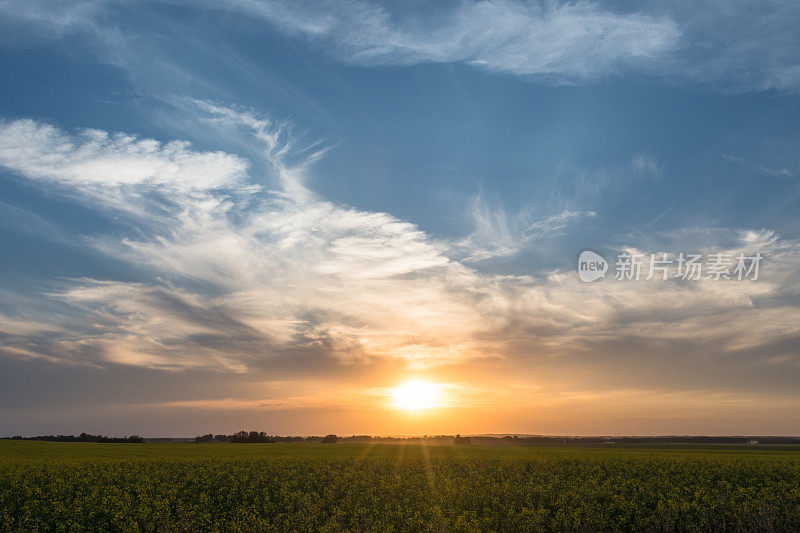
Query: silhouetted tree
[[253, 436], [329, 439], [461, 440]]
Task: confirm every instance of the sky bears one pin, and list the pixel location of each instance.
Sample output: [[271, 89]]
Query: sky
[[275, 215]]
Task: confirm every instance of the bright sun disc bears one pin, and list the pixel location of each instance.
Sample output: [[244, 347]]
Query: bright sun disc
[[417, 395]]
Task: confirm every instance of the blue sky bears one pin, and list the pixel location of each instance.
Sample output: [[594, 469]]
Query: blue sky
[[268, 214]]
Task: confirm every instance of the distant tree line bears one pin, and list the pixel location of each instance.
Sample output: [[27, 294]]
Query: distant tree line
[[83, 437], [261, 437], [667, 439], [519, 440], [243, 436]]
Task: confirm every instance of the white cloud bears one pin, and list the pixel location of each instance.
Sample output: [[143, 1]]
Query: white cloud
[[731, 47], [498, 234], [562, 41], [734, 47], [291, 272], [95, 158], [293, 275]]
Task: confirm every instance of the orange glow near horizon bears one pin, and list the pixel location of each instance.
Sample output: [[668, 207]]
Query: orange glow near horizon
[[417, 395]]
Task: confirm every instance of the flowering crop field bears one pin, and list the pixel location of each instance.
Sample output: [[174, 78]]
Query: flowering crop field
[[393, 487]]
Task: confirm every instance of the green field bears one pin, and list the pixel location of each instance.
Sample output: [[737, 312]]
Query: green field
[[383, 487]]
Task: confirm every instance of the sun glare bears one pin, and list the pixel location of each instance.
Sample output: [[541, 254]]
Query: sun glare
[[416, 395]]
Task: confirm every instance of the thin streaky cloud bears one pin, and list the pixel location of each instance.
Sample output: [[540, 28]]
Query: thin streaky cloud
[[729, 47], [707, 42], [559, 41]]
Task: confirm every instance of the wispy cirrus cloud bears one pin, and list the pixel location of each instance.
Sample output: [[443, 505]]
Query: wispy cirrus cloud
[[95, 158], [497, 233], [730, 47], [295, 276], [547, 40], [292, 272]]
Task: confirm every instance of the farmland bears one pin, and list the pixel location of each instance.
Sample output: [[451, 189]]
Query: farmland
[[400, 487]]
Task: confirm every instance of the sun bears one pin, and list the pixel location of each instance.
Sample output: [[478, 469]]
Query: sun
[[417, 395]]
